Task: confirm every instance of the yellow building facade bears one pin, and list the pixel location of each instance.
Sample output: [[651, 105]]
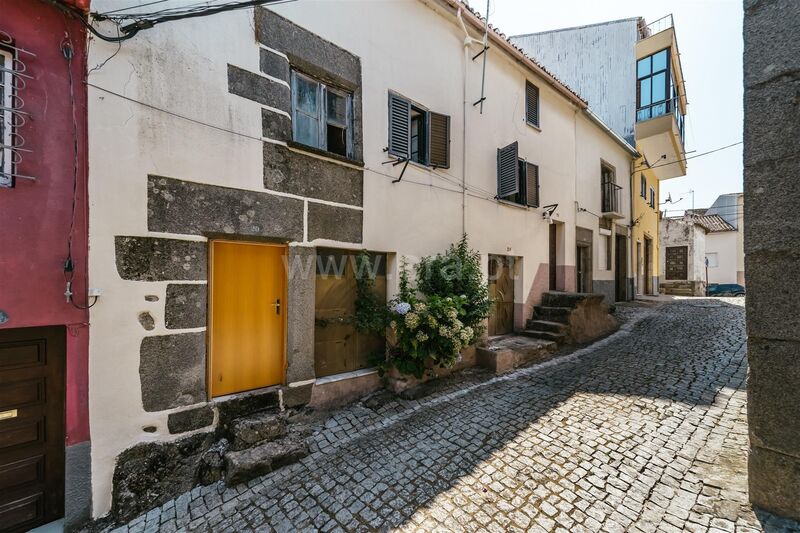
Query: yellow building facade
[[660, 110]]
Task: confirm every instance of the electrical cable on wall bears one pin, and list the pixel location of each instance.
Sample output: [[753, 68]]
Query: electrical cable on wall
[[69, 264]]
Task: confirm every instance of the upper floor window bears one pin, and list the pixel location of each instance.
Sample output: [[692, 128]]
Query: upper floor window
[[418, 134], [643, 186], [531, 104], [611, 193], [7, 118], [655, 88], [517, 179], [652, 197], [322, 116]]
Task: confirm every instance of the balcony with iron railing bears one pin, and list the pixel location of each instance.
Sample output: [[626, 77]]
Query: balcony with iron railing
[[657, 26], [612, 199]]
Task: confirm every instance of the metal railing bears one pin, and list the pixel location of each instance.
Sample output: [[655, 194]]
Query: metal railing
[[612, 197], [657, 26], [662, 108]]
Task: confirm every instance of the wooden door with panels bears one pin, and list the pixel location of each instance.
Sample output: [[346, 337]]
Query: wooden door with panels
[[501, 294], [32, 382], [247, 310]]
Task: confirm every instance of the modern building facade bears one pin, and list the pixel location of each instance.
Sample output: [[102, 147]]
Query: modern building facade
[[44, 324], [630, 73], [236, 154]]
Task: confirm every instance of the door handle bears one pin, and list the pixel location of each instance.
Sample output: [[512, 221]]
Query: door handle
[[11, 413], [277, 305]]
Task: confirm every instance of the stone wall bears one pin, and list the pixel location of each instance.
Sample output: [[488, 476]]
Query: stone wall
[[308, 197], [772, 251]]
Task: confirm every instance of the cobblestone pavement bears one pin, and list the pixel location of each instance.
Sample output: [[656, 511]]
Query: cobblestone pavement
[[642, 431]]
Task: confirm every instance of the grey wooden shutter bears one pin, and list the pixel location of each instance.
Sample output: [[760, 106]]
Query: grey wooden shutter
[[531, 103], [439, 139], [399, 127], [508, 170], [532, 184]]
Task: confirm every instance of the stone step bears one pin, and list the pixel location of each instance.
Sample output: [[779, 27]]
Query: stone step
[[546, 335], [552, 314], [546, 325], [569, 299], [509, 352], [244, 465], [241, 405], [248, 431]]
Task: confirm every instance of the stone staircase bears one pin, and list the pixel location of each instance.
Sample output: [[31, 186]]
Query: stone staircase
[[253, 441], [682, 288], [570, 317]]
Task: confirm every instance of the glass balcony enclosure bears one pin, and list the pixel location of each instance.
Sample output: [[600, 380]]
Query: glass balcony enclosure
[[655, 89]]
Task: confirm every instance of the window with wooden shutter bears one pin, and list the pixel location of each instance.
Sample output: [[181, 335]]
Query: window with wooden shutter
[[532, 184], [439, 140], [399, 127], [531, 104], [508, 170]]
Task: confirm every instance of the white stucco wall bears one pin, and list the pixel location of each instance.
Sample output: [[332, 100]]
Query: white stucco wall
[[725, 245], [181, 67], [682, 232]]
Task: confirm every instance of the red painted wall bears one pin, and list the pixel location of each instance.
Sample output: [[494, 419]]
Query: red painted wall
[[35, 217]]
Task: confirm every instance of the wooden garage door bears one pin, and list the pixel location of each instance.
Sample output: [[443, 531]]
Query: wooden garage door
[[676, 258], [32, 362]]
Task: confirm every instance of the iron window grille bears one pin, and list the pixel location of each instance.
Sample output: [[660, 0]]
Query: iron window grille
[[13, 80]]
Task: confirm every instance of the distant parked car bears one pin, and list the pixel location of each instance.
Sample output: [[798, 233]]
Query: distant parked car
[[725, 289]]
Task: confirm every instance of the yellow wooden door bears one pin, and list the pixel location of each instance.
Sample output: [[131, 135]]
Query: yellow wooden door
[[248, 306]]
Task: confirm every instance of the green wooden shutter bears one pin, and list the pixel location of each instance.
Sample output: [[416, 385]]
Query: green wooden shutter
[[532, 184], [399, 127], [508, 170], [531, 103], [439, 139]]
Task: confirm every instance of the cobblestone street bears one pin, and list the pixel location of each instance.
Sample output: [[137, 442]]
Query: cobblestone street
[[643, 431]]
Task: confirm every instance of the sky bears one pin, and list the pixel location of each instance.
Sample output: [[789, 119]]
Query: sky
[[709, 34]]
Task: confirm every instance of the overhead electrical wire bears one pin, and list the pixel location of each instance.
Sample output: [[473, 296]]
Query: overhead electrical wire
[[144, 21], [474, 191]]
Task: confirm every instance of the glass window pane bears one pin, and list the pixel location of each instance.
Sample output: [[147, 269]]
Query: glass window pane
[[660, 61], [305, 96], [337, 108], [643, 67], [644, 92], [337, 140], [306, 130], [660, 87]]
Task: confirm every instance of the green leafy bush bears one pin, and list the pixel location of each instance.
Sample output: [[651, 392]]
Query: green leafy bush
[[432, 322]]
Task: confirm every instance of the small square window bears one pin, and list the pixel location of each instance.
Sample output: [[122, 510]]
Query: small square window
[[321, 116]]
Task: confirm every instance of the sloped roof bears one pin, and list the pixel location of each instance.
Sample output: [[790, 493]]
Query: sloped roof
[[713, 223], [474, 18]]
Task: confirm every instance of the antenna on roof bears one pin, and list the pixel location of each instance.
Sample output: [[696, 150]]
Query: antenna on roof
[[483, 52]]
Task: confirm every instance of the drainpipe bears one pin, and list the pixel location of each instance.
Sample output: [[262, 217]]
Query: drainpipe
[[631, 244], [467, 42]]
